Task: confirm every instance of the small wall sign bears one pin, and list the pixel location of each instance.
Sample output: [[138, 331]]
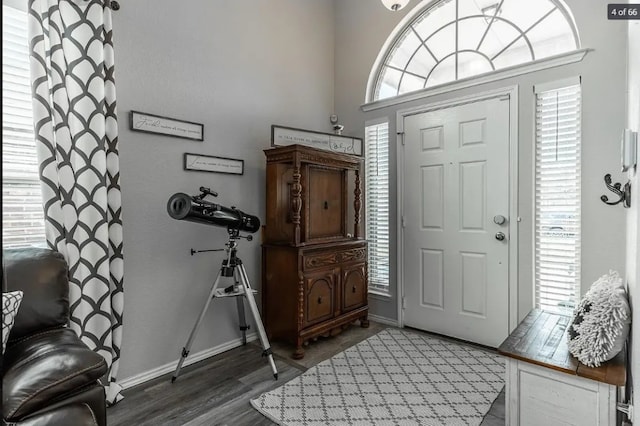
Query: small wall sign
[[210, 163], [150, 123]]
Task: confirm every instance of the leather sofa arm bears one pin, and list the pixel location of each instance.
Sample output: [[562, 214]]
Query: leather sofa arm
[[81, 414], [44, 367]]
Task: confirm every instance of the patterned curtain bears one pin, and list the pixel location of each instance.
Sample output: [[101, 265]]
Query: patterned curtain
[[76, 132]]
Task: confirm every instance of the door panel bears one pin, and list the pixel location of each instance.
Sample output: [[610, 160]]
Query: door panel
[[433, 278], [456, 179], [433, 196], [474, 283], [473, 183]]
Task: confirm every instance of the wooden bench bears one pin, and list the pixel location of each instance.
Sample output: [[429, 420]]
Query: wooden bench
[[546, 385]]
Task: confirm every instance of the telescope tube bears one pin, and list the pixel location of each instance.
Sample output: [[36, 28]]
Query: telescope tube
[[183, 207]]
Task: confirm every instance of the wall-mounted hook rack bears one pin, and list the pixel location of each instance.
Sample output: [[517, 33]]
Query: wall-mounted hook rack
[[624, 192]]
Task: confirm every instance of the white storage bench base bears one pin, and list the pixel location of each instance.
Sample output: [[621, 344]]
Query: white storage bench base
[[546, 386], [541, 396]]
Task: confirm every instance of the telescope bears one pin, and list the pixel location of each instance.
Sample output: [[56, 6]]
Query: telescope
[[195, 208]]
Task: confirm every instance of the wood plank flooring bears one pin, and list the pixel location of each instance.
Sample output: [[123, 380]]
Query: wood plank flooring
[[216, 391]]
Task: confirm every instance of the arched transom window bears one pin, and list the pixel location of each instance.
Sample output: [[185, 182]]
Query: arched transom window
[[454, 39]]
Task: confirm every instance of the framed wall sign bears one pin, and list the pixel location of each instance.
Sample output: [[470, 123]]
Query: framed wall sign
[[210, 163], [149, 123], [281, 135]]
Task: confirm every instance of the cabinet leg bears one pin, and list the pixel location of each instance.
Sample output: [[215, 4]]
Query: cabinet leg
[[364, 322], [299, 353]]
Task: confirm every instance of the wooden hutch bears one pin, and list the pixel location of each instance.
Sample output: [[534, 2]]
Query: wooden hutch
[[314, 271]]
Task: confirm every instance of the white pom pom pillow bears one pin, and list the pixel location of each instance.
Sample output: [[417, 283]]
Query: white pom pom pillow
[[600, 324]]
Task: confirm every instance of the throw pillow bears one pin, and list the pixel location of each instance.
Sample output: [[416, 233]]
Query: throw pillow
[[10, 303], [600, 324]]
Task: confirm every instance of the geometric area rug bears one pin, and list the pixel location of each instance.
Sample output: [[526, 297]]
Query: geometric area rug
[[395, 377]]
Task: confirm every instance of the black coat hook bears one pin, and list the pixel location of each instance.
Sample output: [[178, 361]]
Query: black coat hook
[[623, 192]]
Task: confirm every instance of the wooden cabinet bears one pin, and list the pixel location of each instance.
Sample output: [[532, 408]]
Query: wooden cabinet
[[314, 269]]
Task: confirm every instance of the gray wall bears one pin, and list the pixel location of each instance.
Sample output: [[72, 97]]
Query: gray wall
[[361, 29], [633, 219], [237, 67]]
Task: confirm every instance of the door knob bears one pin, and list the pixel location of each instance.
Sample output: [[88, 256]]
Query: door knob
[[500, 236]]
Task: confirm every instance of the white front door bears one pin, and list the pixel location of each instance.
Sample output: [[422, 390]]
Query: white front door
[[456, 187]]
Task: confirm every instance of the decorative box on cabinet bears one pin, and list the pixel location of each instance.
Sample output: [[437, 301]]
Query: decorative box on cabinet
[[314, 269]]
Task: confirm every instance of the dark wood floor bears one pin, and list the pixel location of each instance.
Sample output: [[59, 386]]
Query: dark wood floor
[[217, 391]]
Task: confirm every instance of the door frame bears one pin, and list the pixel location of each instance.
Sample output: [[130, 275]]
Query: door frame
[[514, 219]]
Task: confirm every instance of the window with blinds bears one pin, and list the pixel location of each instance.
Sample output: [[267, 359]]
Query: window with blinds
[[557, 197], [22, 213], [377, 205]]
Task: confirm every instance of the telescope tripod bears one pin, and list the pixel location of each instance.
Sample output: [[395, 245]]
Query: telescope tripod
[[232, 267]]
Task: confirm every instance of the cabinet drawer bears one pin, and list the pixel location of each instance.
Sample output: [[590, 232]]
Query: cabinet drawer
[[354, 286], [328, 258], [319, 303]]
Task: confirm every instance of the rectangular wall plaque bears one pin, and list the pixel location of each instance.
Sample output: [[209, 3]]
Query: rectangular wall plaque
[[210, 163], [281, 136], [149, 123]]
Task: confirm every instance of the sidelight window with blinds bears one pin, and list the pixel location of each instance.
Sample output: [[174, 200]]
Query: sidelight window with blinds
[[22, 213], [377, 205], [557, 196]]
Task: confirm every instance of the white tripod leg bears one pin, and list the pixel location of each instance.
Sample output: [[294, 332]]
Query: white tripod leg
[[256, 318], [187, 347]]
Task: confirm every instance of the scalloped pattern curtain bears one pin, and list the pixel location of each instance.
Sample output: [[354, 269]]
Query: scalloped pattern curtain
[[76, 131]]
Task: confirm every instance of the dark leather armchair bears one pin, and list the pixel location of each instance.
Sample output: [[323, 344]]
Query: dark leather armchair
[[49, 377]]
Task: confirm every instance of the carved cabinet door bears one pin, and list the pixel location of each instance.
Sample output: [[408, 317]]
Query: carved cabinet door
[[326, 209], [354, 286], [319, 303]]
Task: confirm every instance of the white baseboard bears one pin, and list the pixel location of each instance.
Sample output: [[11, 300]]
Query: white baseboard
[[191, 359], [383, 320]]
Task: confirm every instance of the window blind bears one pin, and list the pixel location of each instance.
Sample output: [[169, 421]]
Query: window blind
[[557, 199], [377, 205], [22, 213]]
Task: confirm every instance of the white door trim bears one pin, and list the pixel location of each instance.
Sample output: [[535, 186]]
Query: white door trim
[[514, 219]]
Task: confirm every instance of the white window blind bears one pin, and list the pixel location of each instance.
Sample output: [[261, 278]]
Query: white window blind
[[557, 198], [22, 213], [377, 205]]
